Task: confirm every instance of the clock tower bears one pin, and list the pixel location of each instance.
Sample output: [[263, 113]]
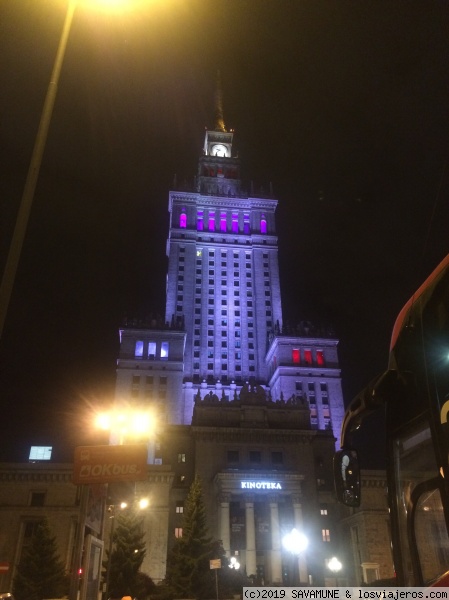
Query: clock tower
[[218, 169]]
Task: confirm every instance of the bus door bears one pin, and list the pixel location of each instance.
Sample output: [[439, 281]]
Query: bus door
[[418, 493]]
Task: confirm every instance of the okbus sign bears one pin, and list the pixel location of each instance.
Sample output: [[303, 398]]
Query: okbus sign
[[260, 485], [107, 464]]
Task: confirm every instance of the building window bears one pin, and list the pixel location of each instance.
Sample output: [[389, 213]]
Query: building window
[[233, 456], [199, 221], [295, 356], [37, 498], [223, 222], [183, 219], [255, 456], [235, 223], [323, 511], [246, 228], [320, 358], [211, 220], [263, 224], [277, 458], [179, 507], [178, 532], [308, 357], [138, 351], [164, 350], [181, 458], [325, 534]]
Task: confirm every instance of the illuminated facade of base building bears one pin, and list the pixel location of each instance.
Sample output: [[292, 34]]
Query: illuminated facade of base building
[[250, 405]]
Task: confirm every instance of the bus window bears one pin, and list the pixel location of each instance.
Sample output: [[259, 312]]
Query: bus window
[[423, 536]]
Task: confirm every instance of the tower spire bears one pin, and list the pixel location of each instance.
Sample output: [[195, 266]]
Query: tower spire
[[219, 121]]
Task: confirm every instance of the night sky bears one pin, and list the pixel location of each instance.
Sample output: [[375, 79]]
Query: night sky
[[342, 105]]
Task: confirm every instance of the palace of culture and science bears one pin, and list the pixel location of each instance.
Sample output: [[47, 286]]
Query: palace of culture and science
[[252, 407]]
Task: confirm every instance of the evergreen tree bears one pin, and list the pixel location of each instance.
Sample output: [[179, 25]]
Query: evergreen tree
[[188, 568], [40, 573], [127, 555]]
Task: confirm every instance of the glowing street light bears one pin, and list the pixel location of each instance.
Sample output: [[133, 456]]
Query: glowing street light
[[296, 543], [125, 424], [334, 565], [234, 563]]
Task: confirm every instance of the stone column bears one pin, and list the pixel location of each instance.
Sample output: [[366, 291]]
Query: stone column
[[225, 531], [276, 559], [302, 562], [251, 567]]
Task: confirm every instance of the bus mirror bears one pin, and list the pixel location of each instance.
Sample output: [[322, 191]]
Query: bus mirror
[[347, 477]]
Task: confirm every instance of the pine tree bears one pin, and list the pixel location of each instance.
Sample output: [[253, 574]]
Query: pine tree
[[188, 568], [127, 556], [40, 573]]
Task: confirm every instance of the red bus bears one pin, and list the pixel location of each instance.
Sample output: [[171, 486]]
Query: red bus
[[413, 394]]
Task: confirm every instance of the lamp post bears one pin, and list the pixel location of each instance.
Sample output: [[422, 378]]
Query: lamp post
[[295, 543], [23, 214], [335, 566]]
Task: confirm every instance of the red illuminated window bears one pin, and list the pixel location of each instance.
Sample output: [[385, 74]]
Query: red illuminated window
[[308, 357], [295, 356], [320, 357]]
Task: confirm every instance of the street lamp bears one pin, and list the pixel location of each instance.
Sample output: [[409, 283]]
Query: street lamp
[[126, 423], [234, 563], [335, 566], [295, 543], [23, 214]]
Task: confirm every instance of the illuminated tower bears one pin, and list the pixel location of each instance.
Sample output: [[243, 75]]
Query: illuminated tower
[[223, 323]]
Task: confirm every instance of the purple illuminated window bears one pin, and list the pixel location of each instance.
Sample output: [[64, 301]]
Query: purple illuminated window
[[199, 221], [183, 219], [235, 223], [223, 222], [263, 225], [246, 224], [211, 220]]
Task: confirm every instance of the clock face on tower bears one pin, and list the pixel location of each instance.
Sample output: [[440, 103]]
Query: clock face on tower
[[219, 150]]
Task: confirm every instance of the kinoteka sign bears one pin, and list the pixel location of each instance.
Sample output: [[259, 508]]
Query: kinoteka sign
[[260, 485]]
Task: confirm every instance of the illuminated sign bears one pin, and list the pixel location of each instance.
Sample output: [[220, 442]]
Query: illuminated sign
[[260, 485], [40, 453], [107, 464]]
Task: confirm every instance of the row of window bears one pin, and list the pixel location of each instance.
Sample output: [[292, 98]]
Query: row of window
[[255, 456], [311, 387], [151, 350], [306, 357], [218, 221], [224, 253]]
